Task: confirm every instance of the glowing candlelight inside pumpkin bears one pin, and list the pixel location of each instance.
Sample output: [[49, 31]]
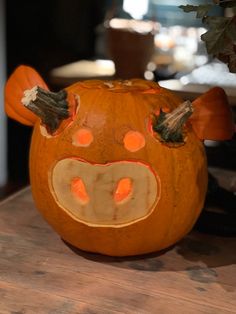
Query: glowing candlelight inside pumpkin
[[123, 190], [78, 189]]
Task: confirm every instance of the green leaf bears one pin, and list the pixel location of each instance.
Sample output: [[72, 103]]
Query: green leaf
[[228, 56], [232, 63], [231, 30], [201, 10], [188, 8], [220, 39], [217, 35]]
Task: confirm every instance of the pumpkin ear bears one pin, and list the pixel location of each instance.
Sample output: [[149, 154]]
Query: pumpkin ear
[[23, 78], [212, 117]]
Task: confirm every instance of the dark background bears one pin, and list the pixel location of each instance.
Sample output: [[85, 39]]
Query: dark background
[[44, 35]]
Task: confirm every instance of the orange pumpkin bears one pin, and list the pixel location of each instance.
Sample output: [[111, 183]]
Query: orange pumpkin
[[106, 181]]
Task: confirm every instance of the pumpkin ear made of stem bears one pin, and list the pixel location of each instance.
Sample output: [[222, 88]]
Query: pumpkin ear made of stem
[[51, 108], [23, 78], [170, 126]]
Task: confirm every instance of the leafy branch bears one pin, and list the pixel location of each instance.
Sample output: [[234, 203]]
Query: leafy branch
[[220, 39]]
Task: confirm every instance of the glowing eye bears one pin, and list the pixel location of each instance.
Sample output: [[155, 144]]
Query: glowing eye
[[78, 189], [133, 141], [82, 137], [123, 190]]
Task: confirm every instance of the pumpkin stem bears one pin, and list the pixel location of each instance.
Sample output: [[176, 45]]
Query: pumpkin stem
[[50, 107], [170, 125]]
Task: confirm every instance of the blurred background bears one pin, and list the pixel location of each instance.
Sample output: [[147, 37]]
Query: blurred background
[[71, 40]]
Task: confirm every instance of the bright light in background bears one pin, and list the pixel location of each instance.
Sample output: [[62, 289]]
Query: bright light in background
[[137, 9]]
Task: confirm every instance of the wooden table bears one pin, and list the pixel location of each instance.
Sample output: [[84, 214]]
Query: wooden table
[[40, 274]]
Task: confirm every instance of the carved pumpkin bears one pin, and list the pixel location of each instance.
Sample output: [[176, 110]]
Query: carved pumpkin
[[122, 172]]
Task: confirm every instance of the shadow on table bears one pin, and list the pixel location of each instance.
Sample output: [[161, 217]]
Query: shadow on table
[[194, 251]]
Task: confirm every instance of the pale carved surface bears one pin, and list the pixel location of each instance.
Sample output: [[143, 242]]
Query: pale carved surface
[[100, 182]]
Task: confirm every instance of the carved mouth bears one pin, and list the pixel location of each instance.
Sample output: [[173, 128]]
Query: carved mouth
[[110, 194]]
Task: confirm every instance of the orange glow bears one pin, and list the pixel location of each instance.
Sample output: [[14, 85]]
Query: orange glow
[[163, 109], [83, 137], [133, 141], [123, 190], [79, 191], [150, 125]]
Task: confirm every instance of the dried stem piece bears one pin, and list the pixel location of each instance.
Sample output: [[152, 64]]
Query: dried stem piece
[[50, 107], [170, 125]]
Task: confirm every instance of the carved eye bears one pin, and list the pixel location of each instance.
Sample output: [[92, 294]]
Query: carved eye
[[82, 137], [134, 141]]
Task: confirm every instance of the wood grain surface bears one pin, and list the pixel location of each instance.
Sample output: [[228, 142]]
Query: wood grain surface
[[39, 273]]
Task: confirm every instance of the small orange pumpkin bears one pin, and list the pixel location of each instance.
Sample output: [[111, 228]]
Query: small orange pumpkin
[[125, 174]]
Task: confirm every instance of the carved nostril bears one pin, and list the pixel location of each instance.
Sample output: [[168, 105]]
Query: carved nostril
[[123, 190], [78, 190]]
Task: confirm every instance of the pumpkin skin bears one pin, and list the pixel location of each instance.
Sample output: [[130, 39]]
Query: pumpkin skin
[[22, 78], [109, 111]]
